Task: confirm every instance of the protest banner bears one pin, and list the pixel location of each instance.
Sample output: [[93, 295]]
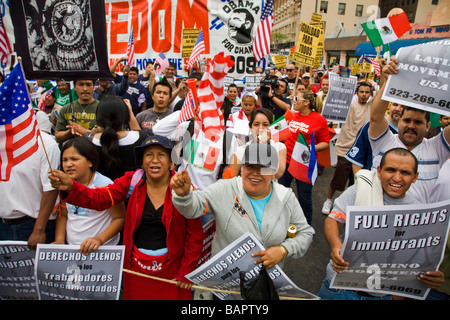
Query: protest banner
[[422, 80], [307, 44], [61, 39], [356, 69], [64, 273], [366, 67], [189, 38], [252, 82], [320, 44], [339, 97], [222, 271], [388, 247], [228, 27], [226, 83], [315, 18], [17, 281], [279, 60]]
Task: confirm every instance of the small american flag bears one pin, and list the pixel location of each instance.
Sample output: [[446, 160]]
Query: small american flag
[[130, 49], [375, 64], [261, 44], [210, 96], [5, 48], [188, 108], [18, 125], [198, 49], [44, 97], [162, 61]]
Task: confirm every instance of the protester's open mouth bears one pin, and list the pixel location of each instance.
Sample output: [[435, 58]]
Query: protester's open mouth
[[395, 186], [255, 181], [155, 169]]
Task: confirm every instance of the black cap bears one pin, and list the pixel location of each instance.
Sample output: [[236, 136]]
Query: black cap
[[262, 154], [151, 140]]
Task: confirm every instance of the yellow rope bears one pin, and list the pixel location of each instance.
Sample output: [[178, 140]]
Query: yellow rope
[[202, 287]]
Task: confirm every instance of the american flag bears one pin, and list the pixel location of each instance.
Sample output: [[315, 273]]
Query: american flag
[[18, 125], [130, 49], [162, 61], [198, 49], [5, 48], [375, 64], [210, 96], [188, 108], [190, 103], [44, 97], [261, 44]]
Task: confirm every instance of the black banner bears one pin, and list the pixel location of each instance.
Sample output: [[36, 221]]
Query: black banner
[[61, 39]]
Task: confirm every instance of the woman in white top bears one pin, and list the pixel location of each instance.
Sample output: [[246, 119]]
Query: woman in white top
[[259, 124], [81, 226]]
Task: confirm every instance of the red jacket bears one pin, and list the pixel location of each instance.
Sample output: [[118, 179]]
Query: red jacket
[[184, 236]]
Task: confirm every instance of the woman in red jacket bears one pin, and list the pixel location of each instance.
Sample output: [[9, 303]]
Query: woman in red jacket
[[158, 240]]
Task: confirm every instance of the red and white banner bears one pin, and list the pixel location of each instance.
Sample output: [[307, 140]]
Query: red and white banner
[[227, 27]]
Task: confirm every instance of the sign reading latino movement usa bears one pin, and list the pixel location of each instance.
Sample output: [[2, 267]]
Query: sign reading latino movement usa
[[423, 77], [17, 281], [339, 98]]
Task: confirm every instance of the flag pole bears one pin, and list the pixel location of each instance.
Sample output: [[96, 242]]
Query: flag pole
[[19, 59], [296, 80]]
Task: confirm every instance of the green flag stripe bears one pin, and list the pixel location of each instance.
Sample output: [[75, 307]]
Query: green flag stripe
[[372, 32]]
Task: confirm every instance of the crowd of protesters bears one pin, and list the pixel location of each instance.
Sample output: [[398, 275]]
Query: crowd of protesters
[[120, 136]]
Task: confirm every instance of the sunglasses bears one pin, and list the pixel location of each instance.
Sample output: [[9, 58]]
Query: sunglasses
[[288, 70], [295, 99]]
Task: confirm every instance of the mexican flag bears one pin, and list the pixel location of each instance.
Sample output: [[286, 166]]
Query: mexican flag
[[303, 165], [279, 130], [202, 154], [382, 31]]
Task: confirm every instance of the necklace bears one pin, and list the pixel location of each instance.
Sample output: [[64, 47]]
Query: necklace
[[157, 194], [159, 115], [83, 114]]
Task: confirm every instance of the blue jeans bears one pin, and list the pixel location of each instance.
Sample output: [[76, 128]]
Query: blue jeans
[[304, 194], [328, 293], [22, 231], [437, 295]]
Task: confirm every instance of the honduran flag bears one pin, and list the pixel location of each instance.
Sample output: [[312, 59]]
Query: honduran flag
[[303, 165], [386, 30], [279, 130]]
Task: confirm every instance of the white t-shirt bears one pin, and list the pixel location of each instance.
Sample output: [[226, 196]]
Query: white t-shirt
[[441, 189], [22, 194], [431, 154], [88, 223]]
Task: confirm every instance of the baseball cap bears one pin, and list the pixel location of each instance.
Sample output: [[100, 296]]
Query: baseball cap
[[306, 75], [262, 154], [151, 140]]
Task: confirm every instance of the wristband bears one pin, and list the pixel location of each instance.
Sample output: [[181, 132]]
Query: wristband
[[283, 251]]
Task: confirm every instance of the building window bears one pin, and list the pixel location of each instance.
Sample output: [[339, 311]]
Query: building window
[[323, 6], [341, 9], [359, 10], [435, 2]]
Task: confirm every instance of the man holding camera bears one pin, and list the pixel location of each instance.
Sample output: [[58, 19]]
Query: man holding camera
[[270, 96]]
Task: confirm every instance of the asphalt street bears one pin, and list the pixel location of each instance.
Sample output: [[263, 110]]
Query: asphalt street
[[308, 272]]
